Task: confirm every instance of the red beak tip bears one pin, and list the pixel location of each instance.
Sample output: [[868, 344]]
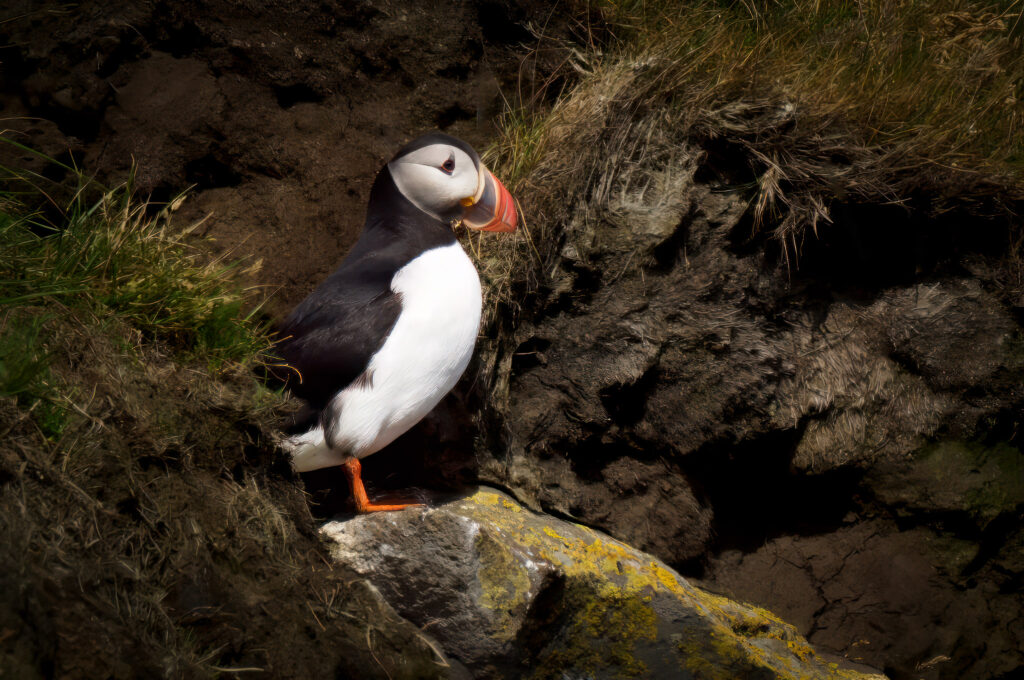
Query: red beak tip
[[501, 209]]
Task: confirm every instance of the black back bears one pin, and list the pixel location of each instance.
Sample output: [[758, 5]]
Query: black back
[[330, 336]]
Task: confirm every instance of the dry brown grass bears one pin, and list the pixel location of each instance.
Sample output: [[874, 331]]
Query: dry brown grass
[[817, 102], [798, 105]]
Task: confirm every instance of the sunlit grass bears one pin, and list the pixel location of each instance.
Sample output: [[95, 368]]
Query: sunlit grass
[[942, 80], [826, 101], [109, 252], [102, 258], [930, 84]]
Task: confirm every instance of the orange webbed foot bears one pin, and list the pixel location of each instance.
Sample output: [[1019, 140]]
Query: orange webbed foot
[[374, 507], [354, 470]]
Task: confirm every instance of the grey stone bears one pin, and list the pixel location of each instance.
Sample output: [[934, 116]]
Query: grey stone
[[510, 593]]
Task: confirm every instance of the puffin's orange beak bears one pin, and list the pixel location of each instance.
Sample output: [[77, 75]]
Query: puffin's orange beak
[[492, 209]]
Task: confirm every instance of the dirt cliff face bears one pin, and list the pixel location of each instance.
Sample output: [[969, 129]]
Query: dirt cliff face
[[831, 423], [829, 429], [665, 422], [278, 114]]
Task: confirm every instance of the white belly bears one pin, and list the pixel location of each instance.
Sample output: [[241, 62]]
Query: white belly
[[423, 357]]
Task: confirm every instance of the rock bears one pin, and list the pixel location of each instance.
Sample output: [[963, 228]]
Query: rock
[[510, 593]]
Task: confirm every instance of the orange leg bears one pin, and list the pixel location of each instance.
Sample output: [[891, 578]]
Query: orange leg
[[353, 470]]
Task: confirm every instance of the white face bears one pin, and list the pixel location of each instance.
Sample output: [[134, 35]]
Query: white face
[[437, 179]]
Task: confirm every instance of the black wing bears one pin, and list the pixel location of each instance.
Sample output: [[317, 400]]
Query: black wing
[[331, 336]]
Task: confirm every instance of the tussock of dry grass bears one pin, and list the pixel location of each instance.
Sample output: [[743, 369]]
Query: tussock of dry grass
[[800, 105], [817, 102]]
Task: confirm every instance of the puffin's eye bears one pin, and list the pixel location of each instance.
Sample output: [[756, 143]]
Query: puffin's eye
[[448, 166]]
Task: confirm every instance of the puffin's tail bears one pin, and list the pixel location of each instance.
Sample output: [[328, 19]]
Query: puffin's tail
[[309, 451]]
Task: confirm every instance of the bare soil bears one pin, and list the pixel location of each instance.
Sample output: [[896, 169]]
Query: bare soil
[[278, 115]]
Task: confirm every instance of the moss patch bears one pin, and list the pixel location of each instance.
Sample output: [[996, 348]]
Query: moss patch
[[504, 583], [956, 476], [603, 632]]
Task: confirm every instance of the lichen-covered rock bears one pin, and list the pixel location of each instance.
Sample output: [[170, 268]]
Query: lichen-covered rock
[[511, 593]]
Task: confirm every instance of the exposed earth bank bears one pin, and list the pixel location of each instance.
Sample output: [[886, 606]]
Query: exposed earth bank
[[277, 114], [829, 430], [829, 425]]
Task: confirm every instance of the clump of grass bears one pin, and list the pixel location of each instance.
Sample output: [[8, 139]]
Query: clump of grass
[[822, 102], [115, 265], [25, 373], [107, 252], [22, 362]]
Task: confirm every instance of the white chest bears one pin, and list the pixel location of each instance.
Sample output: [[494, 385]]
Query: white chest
[[441, 299], [423, 357]]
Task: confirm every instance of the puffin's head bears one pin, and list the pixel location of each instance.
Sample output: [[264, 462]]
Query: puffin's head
[[444, 177]]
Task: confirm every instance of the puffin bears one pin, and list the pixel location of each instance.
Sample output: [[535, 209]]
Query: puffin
[[386, 336]]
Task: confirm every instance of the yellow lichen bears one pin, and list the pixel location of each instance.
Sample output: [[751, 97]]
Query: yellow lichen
[[602, 634], [504, 584], [607, 609]]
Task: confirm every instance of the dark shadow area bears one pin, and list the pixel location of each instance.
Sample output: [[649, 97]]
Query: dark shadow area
[[627, 403], [757, 496], [546, 616], [172, 31], [746, 240], [867, 248], [668, 253], [502, 23], [297, 93], [725, 162], [528, 355], [1005, 426], [993, 540], [451, 115], [590, 457], [1015, 674], [864, 249], [211, 171]]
